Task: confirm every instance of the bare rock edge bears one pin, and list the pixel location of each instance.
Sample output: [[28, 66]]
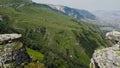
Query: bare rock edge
[[12, 51]]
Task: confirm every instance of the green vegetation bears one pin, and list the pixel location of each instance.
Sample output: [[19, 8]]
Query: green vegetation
[[35, 55], [64, 42], [118, 53], [34, 65], [91, 65], [15, 46]]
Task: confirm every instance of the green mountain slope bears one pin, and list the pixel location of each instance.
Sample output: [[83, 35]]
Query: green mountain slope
[[64, 42]]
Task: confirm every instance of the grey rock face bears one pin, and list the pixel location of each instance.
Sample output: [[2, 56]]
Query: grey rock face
[[114, 35], [9, 37], [106, 58], [12, 53]]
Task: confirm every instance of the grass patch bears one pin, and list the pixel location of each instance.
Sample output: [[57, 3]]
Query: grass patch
[[34, 65], [35, 55], [118, 53]]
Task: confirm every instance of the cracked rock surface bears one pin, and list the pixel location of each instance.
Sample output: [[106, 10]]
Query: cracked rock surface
[[12, 53], [106, 58]]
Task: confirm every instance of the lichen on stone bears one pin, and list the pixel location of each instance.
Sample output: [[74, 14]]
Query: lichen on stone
[[12, 51], [108, 57]]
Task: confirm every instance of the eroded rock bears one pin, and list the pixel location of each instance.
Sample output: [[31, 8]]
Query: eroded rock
[[9, 37], [12, 53], [114, 35], [108, 57]]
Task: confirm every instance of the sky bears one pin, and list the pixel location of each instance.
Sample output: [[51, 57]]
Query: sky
[[91, 5]]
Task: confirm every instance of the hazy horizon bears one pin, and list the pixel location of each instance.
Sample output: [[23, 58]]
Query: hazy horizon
[[91, 5]]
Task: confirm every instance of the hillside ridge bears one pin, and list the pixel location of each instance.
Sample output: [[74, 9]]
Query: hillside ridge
[[60, 41]]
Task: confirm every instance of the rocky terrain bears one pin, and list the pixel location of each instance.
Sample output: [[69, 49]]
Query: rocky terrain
[[12, 52], [108, 57]]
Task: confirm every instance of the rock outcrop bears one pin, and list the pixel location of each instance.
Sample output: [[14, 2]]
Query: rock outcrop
[[12, 51], [4, 38], [107, 57], [114, 35]]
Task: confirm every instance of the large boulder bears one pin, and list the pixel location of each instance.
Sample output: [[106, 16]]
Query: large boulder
[[108, 57]]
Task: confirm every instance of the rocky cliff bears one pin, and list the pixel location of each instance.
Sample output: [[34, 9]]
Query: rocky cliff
[[12, 51], [108, 57]]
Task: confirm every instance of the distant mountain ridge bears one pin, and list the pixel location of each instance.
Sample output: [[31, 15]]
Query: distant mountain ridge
[[107, 14], [108, 20], [105, 20], [72, 12]]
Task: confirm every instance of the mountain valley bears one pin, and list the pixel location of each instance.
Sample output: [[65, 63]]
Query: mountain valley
[[52, 39]]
